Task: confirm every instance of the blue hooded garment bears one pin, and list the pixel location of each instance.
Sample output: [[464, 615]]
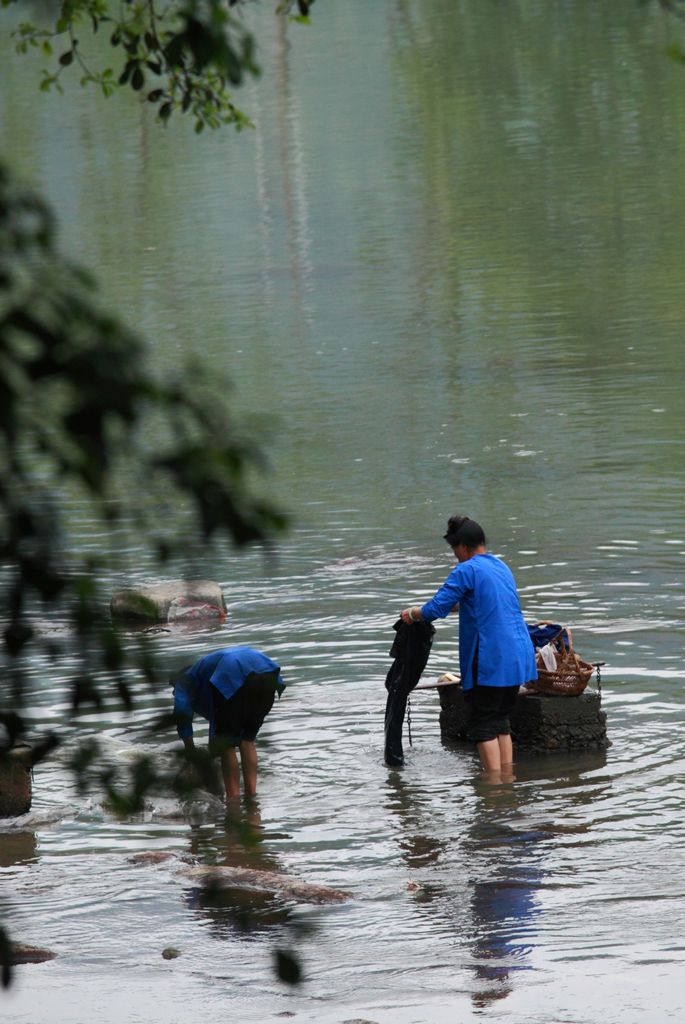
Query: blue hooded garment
[[227, 670]]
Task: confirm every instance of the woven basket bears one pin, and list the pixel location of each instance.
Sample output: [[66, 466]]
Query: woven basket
[[571, 675]]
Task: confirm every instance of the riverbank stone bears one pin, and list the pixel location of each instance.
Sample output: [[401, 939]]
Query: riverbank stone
[[540, 723], [16, 790], [174, 601]]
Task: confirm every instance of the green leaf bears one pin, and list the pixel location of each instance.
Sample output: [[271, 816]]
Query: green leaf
[[124, 694], [676, 52], [5, 959], [113, 655], [84, 691], [17, 635], [287, 967], [126, 73]]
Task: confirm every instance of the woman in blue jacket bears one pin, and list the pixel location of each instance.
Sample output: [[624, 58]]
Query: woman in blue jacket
[[234, 689], [496, 655]]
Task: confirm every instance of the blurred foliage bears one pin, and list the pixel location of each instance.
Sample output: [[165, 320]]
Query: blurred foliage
[[675, 49], [76, 397], [287, 967], [74, 394], [676, 7], [183, 56]]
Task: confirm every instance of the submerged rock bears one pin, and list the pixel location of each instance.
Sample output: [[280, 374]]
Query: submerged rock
[[265, 881], [30, 954], [203, 807], [358, 1020], [150, 857], [170, 953], [230, 877], [169, 602]]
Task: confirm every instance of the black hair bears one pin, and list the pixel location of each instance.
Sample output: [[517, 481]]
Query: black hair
[[462, 530]]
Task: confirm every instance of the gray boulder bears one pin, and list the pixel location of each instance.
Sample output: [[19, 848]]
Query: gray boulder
[[175, 601]]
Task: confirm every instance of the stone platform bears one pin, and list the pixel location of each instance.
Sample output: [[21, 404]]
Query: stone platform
[[539, 723]]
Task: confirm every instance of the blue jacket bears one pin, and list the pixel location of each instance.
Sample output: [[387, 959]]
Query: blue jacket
[[226, 670], [490, 623]]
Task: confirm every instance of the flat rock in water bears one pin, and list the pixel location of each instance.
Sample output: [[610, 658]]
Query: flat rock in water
[[266, 881], [176, 601], [30, 954], [150, 857], [246, 878]]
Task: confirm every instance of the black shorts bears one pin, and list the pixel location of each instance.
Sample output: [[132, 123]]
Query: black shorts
[[490, 707], [241, 716]]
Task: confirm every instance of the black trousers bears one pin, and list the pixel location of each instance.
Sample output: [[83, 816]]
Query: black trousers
[[490, 707], [410, 649], [241, 716]]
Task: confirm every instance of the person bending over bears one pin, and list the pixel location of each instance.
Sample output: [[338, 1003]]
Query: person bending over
[[234, 689], [496, 655]]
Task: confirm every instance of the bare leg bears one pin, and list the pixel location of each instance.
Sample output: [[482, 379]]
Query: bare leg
[[506, 750], [248, 759], [231, 772], [489, 753]]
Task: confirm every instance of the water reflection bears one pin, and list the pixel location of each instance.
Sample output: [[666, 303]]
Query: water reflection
[[483, 888], [417, 846], [239, 841], [18, 848], [500, 867], [503, 903]]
